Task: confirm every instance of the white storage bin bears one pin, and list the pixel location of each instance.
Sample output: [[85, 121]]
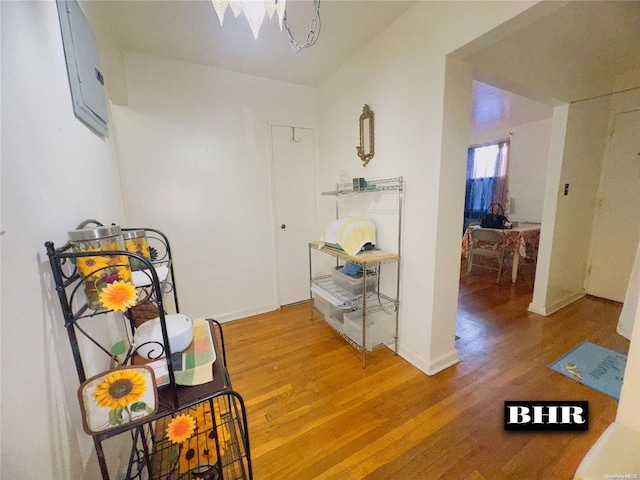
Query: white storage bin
[[335, 323], [353, 285], [353, 329], [380, 327], [331, 314], [327, 309]]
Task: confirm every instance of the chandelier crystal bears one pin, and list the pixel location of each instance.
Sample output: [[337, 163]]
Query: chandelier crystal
[[256, 10]]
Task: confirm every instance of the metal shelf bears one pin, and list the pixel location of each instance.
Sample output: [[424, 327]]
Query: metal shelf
[[362, 349], [369, 302], [375, 301], [147, 441], [222, 442], [366, 257], [372, 186]]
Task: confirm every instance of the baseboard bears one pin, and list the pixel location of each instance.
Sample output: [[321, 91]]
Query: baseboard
[[624, 332], [536, 308], [227, 317], [430, 367], [443, 362], [546, 310]]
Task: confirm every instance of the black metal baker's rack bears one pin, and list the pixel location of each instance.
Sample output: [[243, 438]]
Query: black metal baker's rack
[[217, 398]]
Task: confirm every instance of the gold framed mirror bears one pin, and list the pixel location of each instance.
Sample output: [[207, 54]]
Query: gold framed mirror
[[366, 150]]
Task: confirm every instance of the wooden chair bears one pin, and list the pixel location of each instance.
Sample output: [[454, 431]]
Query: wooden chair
[[489, 244]]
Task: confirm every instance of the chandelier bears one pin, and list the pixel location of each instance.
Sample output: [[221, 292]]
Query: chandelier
[[256, 10]]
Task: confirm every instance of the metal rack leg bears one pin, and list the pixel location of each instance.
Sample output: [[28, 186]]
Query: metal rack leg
[[244, 426], [364, 314], [310, 284], [101, 460]]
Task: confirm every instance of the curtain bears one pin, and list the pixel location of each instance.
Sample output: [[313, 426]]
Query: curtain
[[480, 196], [482, 192], [501, 189], [479, 192]]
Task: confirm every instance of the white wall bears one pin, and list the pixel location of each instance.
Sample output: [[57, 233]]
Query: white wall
[[624, 102], [576, 152], [627, 413], [194, 148], [578, 142], [528, 155], [401, 75], [55, 173]]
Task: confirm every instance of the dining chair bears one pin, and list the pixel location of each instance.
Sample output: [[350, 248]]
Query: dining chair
[[489, 244]]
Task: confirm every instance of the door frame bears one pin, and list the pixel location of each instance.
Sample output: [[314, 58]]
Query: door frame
[[601, 181], [272, 180]]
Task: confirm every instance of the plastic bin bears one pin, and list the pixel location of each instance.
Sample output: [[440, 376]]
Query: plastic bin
[[379, 328], [331, 314], [337, 325], [352, 285]]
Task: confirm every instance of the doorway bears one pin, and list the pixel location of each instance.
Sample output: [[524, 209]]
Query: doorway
[[617, 226], [294, 174]]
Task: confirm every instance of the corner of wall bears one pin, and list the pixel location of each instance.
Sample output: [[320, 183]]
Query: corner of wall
[[547, 309], [430, 367], [112, 62]]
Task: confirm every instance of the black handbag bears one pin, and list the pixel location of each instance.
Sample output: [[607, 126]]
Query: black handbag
[[494, 218]]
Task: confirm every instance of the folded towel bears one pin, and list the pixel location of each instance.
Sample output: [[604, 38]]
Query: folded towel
[[351, 233], [195, 366]]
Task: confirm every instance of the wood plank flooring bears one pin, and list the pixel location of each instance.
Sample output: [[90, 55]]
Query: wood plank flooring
[[314, 413]]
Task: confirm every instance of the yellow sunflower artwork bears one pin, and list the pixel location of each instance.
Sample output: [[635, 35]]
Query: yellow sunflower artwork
[[91, 265], [116, 397], [100, 271], [192, 441], [119, 296], [181, 428], [139, 246]]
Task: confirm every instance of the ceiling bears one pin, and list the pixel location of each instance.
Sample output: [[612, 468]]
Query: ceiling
[[555, 52], [561, 52], [493, 108], [189, 30]]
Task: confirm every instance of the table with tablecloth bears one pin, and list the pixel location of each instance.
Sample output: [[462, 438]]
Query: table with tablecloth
[[522, 241]]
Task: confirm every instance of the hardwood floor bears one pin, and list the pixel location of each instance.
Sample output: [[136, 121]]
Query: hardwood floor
[[314, 413]]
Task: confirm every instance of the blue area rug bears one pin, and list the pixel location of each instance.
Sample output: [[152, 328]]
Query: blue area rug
[[594, 366]]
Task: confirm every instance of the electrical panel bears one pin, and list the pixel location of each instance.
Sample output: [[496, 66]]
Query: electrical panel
[[85, 79]]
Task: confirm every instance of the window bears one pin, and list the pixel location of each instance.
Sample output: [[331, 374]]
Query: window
[[485, 160], [486, 179]]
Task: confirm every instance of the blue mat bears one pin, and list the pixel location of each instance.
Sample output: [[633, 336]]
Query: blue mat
[[594, 366]]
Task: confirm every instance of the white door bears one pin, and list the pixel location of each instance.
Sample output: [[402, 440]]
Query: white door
[[295, 201], [617, 228]]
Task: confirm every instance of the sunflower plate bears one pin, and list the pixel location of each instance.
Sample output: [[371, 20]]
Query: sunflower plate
[[125, 395]]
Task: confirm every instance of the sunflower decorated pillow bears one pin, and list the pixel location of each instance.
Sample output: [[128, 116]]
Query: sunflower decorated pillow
[[125, 395]]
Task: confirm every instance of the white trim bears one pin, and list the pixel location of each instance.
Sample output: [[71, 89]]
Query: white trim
[[430, 367], [228, 317], [272, 187], [444, 361], [546, 310], [272, 199]]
